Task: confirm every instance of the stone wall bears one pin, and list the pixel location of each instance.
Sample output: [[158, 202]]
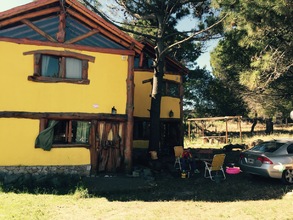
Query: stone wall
[[81, 170]]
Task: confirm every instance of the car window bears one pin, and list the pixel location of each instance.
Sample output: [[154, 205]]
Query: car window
[[267, 147], [290, 149]]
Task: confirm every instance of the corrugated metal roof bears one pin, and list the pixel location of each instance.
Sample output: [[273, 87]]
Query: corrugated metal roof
[[50, 25], [46, 15]]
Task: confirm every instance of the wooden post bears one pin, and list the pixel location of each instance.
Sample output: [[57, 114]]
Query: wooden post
[[93, 150], [226, 120], [189, 130], [62, 25], [239, 120], [129, 112]]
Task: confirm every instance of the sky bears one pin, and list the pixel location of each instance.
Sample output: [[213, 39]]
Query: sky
[[7, 4], [202, 61]]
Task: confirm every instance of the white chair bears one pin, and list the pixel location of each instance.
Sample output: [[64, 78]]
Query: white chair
[[178, 150], [212, 169]]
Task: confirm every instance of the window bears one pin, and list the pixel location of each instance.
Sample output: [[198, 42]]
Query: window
[[141, 130], [144, 61], [63, 133], [60, 66], [170, 88], [290, 149], [71, 132], [267, 147]]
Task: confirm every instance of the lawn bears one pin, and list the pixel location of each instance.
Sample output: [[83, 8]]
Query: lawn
[[165, 196], [238, 197]]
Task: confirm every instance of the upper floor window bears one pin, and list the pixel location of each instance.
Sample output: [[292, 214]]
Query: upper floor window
[[60, 66], [170, 88], [144, 61]]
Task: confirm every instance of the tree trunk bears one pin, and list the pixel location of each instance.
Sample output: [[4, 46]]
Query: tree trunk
[[253, 125], [155, 112], [159, 67], [154, 142]]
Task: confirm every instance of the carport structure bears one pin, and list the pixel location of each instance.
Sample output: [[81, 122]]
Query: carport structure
[[212, 137]]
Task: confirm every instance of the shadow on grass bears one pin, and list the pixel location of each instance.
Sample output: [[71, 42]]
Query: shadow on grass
[[164, 185], [168, 187]]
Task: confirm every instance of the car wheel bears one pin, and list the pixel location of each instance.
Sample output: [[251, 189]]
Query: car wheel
[[287, 176]]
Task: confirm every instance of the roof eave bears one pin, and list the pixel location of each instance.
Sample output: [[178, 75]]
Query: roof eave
[[120, 36]]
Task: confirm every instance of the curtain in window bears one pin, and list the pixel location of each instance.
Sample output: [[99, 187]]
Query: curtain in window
[[45, 137], [50, 66], [73, 68], [82, 132]]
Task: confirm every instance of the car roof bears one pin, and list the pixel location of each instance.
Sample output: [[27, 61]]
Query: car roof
[[282, 140]]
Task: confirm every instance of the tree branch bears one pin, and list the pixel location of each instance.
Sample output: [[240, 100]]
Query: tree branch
[[116, 22], [193, 35]]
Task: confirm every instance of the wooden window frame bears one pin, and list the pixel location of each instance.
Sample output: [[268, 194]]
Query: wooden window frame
[[166, 88], [68, 134], [37, 76]]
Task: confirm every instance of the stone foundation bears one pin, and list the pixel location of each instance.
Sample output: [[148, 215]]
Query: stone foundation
[[81, 170]]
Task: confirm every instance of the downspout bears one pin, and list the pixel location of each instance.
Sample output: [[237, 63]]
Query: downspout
[[129, 113]]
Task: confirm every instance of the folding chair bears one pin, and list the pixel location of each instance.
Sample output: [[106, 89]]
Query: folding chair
[[178, 150], [212, 169]]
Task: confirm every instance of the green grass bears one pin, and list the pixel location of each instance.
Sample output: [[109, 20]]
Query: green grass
[[176, 198]]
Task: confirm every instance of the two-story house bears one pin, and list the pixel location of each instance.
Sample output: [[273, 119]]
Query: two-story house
[[75, 91]]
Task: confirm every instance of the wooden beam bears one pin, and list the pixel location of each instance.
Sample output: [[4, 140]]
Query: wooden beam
[[63, 115], [82, 18], [62, 53], [147, 80], [214, 118], [107, 30], [61, 28], [25, 8], [30, 15], [95, 26], [44, 79], [38, 30], [81, 37], [69, 46], [141, 58]]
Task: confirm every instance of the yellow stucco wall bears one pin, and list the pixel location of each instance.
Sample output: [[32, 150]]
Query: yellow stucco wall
[[142, 101], [107, 88], [107, 77], [17, 146]]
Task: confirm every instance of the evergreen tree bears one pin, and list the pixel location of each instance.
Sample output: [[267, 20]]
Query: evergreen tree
[[161, 18], [255, 56]]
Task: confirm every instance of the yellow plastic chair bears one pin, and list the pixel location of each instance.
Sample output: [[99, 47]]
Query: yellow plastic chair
[[212, 169], [178, 150]]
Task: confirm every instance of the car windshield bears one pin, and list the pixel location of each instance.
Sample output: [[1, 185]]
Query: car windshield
[[267, 147]]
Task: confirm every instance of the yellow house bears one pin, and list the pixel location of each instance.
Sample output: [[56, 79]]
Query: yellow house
[[71, 100]]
